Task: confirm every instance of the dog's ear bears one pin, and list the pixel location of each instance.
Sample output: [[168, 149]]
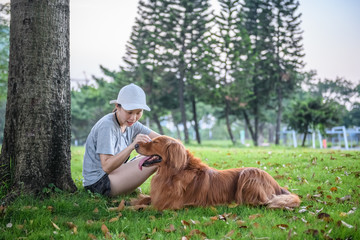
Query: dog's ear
[[176, 154]]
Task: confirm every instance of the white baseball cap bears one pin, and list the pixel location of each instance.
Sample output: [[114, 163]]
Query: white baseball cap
[[131, 97]]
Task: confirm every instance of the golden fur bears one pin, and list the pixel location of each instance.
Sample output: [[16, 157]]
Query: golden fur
[[184, 180]]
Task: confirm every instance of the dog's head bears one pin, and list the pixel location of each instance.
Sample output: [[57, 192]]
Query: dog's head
[[163, 151]]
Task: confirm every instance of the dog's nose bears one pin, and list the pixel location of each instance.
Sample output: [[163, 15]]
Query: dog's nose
[[136, 146]]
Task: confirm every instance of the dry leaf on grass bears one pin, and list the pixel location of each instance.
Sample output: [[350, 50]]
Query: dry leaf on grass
[[339, 223], [72, 226], [197, 232], [282, 226], [106, 231], [54, 225], [91, 236], [170, 229], [114, 219], [252, 217]]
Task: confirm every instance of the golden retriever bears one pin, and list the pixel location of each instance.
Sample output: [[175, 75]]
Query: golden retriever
[[184, 180]]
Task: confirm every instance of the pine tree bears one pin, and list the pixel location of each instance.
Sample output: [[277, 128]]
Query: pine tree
[[190, 52], [257, 18], [145, 54], [287, 38], [231, 48]]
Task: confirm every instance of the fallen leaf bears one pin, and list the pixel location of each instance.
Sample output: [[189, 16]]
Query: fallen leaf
[[233, 205], [170, 229], [313, 232], [343, 199], [106, 231], [324, 216], [91, 236], [185, 223], [197, 232], [194, 222], [252, 217], [121, 205], [282, 226], [303, 210], [122, 235], [19, 227], [113, 209], [214, 218], [319, 210], [240, 222], [89, 222], [54, 225], [229, 234], [343, 214], [114, 219], [96, 210], [72, 226], [213, 209], [346, 224], [2, 209], [338, 180], [222, 217], [352, 210]]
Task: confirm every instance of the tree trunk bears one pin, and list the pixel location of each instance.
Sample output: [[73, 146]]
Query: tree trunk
[[278, 116], [248, 124], [157, 122], [198, 139], [182, 107], [256, 126], [228, 124], [37, 136], [304, 139], [271, 133]]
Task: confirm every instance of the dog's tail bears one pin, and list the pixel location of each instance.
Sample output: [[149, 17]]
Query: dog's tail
[[286, 200]]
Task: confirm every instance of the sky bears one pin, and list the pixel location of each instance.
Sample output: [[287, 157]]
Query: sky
[[99, 31]]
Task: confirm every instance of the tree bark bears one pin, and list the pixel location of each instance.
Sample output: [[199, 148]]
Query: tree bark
[[248, 124], [157, 122], [228, 124], [197, 133], [278, 116], [182, 105], [37, 136], [304, 139]]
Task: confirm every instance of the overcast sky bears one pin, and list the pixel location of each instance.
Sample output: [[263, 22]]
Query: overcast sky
[[99, 31]]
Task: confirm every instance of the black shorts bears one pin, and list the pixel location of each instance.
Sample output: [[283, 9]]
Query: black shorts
[[102, 186]]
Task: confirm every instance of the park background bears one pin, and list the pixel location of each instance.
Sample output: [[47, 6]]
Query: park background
[[41, 199], [326, 71]]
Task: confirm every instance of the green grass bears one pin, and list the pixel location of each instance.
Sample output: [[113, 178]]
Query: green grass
[[327, 181]]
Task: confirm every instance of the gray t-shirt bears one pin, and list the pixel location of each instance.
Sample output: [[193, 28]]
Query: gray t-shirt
[[106, 138]]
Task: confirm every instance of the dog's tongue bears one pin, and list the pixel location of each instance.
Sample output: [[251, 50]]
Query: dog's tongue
[[142, 160]]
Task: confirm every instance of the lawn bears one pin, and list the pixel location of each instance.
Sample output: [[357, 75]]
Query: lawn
[[327, 181]]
